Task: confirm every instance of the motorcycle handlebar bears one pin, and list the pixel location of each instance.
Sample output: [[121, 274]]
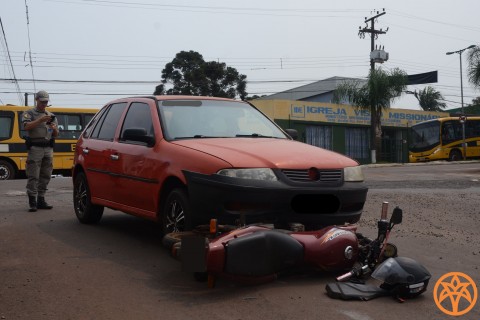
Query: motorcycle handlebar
[[354, 272]]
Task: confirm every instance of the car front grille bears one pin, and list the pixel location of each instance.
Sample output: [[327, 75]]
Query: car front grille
[[303, 175]]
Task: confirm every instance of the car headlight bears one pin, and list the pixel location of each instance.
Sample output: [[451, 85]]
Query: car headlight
[[353, 174], [254, 174]]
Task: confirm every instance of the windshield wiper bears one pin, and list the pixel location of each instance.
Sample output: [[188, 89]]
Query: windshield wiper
[[198, 136], [253, 135]]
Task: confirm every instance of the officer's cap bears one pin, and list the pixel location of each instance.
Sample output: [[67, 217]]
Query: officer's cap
[[42, 95]]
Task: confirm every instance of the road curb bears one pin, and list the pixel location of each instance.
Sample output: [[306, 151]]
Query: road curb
[[440, 162]]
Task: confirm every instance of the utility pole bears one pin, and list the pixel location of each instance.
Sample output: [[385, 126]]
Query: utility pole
[[374, 113], [462, 117], [373, 34]]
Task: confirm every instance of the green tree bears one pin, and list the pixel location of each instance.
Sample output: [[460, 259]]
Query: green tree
[[429, 99], [474, 66], [255, 96], [376, 95], [190, 74]]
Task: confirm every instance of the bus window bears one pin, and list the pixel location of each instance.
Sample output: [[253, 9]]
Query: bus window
[[425, 136], [69, 125], [451, 131], [6, 123], [88, 118], [472, 128]]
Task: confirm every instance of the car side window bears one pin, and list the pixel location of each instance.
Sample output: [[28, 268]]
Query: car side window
[[105, 129], [138, 117], [91, 124]]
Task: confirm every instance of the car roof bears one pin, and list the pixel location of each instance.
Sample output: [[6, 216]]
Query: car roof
[[175, 97], [170, 97], [184, 97]]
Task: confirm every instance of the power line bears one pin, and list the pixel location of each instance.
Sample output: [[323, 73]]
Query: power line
[[48, 60], [431, 33], [158, 81], [20, 98], [442, 22], [29, 46], [309, 13]]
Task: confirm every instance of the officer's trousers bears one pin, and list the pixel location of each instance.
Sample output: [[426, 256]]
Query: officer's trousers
[[38, 169]]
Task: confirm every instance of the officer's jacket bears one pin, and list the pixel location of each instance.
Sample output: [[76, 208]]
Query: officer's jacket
[[42, 131]]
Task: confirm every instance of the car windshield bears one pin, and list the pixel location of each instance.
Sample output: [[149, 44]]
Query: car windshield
[[192, 119]]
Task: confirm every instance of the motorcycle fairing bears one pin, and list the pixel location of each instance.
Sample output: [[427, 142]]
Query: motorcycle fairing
[[262, 253]]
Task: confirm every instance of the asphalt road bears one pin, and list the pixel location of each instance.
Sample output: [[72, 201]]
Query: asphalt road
[[52, 267]]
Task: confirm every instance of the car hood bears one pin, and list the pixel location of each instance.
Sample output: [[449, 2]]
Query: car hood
[[268, 153]]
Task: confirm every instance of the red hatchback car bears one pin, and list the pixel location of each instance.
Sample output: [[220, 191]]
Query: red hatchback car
[[182, 160]]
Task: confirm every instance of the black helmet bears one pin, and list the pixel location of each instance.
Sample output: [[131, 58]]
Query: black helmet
[[403, 277]]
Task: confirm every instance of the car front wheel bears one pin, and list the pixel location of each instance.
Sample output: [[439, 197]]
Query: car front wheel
[[176, 212], [86, 212]]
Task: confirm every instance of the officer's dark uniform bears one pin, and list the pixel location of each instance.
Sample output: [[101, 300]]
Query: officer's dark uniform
[[39, 163]]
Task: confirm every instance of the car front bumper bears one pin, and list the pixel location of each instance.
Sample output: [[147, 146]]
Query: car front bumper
[[234, 201]]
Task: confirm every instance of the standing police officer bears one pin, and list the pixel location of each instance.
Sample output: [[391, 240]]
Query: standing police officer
[[42, 128]]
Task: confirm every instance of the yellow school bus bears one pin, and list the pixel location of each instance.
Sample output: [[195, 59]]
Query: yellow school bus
[[442, 139], [13, 151]]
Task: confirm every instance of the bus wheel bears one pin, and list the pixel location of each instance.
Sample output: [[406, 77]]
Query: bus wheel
[[455, 155], [7, 171]]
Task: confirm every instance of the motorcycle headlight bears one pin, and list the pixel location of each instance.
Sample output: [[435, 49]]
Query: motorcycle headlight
[[353, 174], [254, 174]]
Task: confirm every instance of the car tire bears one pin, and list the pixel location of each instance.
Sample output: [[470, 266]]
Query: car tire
[[455, 155], [85, 211], [7, 171], [176, 212]]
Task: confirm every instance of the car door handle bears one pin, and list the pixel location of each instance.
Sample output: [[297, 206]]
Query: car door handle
[[114, 156], [85, 151]]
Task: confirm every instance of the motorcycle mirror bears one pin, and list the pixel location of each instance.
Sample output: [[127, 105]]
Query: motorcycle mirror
[[397, 215]]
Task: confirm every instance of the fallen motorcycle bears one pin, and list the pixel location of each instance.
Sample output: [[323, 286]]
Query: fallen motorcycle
[[259, 253]]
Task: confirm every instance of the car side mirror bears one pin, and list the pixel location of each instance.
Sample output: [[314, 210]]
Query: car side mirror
[[138, 134], [292, 133]]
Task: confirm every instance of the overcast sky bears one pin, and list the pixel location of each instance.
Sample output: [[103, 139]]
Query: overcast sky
[[277, 44]]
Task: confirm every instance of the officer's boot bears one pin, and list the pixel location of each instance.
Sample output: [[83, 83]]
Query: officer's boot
[[41, 204], [32, 202]]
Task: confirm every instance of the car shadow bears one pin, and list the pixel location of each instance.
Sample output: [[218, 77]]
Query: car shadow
[[136, 243]]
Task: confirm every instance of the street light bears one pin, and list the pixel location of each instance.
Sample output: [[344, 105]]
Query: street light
[[461, 92]]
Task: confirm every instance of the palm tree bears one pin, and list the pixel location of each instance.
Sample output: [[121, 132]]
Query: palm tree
[[375, 95], [474, 66], [428, 98]]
